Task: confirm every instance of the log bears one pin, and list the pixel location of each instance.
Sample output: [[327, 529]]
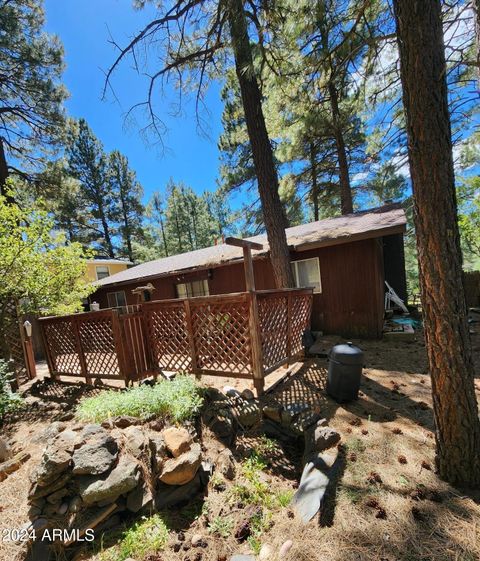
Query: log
[[8, 467]]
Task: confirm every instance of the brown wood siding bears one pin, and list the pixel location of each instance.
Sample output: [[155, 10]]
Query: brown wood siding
[[351, 302]]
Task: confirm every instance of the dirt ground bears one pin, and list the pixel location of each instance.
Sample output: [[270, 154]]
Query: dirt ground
[[388, 504]]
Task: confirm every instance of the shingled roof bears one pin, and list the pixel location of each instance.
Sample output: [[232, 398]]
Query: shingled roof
[[372, 223]]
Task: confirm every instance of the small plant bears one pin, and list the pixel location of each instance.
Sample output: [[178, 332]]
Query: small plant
[[221, 526], [9, 401], [355, 445], [147, 536], [177, 400], [284, 498]]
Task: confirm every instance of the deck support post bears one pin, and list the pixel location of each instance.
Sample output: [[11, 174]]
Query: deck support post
[[256, 342]]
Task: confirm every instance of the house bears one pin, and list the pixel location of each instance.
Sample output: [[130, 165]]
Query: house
[[98, 269], [346, 260]]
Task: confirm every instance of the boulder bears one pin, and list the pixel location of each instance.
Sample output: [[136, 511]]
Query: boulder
[[38, 491], [122, 479], [266, 552], [139, 498], [167, 496], [285, 548], [47, 434], [158, 452], [231, 392], [291, 411], [225, 464], [325, 438], [177, 440], [55, 460], [4, 450], [96, 456], [181, 470], [122, 422], [247, 394], [136, 441]]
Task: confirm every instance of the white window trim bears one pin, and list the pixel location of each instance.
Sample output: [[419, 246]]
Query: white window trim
[[295, 273], [117, 305], [101, 267]]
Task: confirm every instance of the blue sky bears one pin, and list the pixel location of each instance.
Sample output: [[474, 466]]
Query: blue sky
[[85, 29]]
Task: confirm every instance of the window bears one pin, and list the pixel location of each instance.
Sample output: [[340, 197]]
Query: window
[[102, 271], [307, 273], [116, 299], [191, 289]]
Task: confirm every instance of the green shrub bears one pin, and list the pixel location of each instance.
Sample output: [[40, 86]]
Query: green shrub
[[149, 535], [177, 400], [9, 401]]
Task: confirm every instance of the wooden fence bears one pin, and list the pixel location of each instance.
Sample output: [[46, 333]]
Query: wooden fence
[[243, 335]]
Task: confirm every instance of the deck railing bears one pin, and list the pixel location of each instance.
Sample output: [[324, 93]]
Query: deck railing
[[242, 335]]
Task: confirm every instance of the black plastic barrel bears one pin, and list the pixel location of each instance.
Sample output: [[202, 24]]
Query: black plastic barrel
[[344, 372]]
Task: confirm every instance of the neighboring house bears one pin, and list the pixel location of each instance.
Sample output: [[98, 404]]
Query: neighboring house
[[98, 269], [346, 260]]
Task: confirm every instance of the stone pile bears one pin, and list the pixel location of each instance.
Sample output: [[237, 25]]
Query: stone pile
[[90, 474]]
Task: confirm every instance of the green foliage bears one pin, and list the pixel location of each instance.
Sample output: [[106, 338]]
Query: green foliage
[[36, 267], [469, 221], [9, 401], [221, 526], [177, 400], [31, 93]]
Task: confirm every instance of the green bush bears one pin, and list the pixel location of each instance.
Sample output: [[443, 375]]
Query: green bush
[[9, 401], [177, 400]]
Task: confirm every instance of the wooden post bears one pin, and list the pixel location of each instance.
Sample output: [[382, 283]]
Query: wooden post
[[191, 338], [289, 327], [120, 341], [256, 342], [81, 356]]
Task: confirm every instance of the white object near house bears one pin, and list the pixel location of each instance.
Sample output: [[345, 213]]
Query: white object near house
[[94, 306], [392, 296]]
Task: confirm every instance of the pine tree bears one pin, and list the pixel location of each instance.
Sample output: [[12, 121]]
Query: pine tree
[[87, 163], [31, 94], [127, 192]]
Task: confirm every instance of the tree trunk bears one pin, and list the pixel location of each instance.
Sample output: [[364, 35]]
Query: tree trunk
[[127, 231], [106, 230], [423, 70], [346, 202], [476, 15], [314, 191], [267, 178]]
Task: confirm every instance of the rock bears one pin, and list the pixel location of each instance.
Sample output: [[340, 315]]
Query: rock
[[96, 456], [75, 504], [93, 430], [136, 441], [230, 391], [124, 421], [244, 526], [139, 498], [247, 394], [55, 460], [285, 548], [38, 491], [4, 450], [325, 438], [242, 557], [63, 509], [52, 430], [172, 495], [181, 470], [248, 414], [266, 552], [291, 411], [122, 479], [158, 452], [225, 464], [57, 496], [177, 440], [273, 412]]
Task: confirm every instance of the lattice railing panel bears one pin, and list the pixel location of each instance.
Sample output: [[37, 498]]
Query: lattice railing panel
[[301, 308], [273, 315], [98, 344], [14, 342], [60, 340], [168, 337], [222, 337]]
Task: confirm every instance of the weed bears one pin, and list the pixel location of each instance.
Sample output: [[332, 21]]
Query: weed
[[355, 445], [221, 526], [9, 401], [285, 497], [178, 400]]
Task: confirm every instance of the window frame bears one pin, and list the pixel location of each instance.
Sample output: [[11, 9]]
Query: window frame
[[206, 288], [102, 267], [114, 294], [316, 290]]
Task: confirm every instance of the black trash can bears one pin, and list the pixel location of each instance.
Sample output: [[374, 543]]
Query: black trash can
[[344, 372]]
